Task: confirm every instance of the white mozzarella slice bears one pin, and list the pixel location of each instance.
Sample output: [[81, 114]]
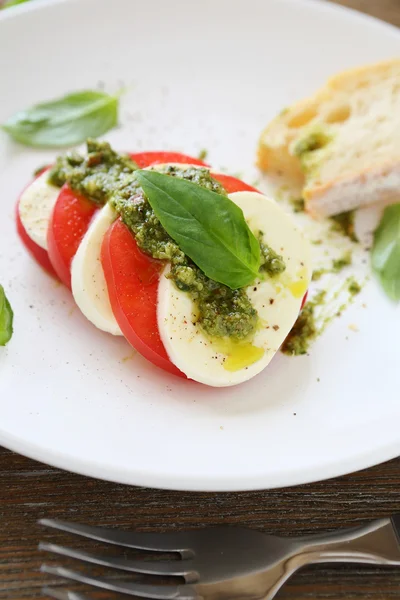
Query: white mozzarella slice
[[277, 300], [89, 286], [35, 207]]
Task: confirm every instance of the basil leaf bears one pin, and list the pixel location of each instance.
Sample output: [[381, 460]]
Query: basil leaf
[[208, 227], [386, 251], [11, 3], [66, 121], [6, 318]]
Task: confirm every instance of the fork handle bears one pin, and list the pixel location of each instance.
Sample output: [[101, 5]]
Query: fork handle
[[375, 543]]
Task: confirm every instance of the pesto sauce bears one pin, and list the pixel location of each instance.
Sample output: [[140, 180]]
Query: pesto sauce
[[39, 170], [105, 176], [298, 204], [305, 330], [344, 223], [353, 286], [221, 311], [313, 140], [272, 263], [338, 264], [311, 148], [95, 176], [202, 155]]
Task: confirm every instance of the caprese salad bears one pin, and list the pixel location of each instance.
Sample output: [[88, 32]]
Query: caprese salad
[[201, 273]]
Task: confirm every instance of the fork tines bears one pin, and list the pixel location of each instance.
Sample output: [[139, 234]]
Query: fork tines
[[141, 541]]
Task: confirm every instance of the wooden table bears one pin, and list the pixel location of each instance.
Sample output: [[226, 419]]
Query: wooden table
[[29, 490]]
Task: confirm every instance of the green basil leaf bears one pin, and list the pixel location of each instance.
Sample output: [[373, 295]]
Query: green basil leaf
[[6, 318], [385, 254], [11, 3], [208, 227], [66, 121]]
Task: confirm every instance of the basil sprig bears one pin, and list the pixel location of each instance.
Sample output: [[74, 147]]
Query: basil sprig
[[65, 121], [6, 318], [208, 227], [385, 254], [11, 3]]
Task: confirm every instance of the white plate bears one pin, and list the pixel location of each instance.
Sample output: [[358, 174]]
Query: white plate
[[208, 74]]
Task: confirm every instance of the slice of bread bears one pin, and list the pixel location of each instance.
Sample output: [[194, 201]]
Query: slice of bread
[[343, 143]]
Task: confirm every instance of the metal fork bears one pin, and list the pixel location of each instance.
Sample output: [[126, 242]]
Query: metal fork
[[223, 562]]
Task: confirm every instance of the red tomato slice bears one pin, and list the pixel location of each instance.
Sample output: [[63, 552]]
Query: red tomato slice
[[73, 213], [69, 222], [37, 252], [132, 281], [232, 184], [145, 159], [304, 301]]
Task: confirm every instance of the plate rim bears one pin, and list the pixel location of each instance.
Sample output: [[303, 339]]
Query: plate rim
[[283, 479], [321, 5], [135, 477]]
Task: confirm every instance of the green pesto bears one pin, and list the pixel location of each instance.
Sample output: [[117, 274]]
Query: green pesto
[[313, 140], [318, 273], [221, 311], [311, 149], [203, 154], [271, 263], [136, 212], [344, 223], [298, 204], [338, 264], [105, 176], [38, 171], [305, 330], [353, 286], [95, 176]]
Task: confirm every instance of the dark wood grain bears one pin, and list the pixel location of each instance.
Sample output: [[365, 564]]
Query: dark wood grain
[[29, 490], [387, 10]]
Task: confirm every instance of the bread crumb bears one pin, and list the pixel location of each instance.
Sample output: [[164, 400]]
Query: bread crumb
[[129, 357]]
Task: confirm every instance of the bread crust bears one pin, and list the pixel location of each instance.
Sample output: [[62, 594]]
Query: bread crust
[[363, 184], [377, 184]]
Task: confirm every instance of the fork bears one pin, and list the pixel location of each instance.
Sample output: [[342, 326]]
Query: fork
[[220, 563]]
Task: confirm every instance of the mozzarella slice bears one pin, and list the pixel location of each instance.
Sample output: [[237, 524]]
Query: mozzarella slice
[[88, 283], [35, 207], [277, 300]]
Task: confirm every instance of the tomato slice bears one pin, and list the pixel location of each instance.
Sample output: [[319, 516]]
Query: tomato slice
[[232, 184], [304, 300], [145, 159], [73, 213], [69, 222], [132, 279], [37, 252]]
